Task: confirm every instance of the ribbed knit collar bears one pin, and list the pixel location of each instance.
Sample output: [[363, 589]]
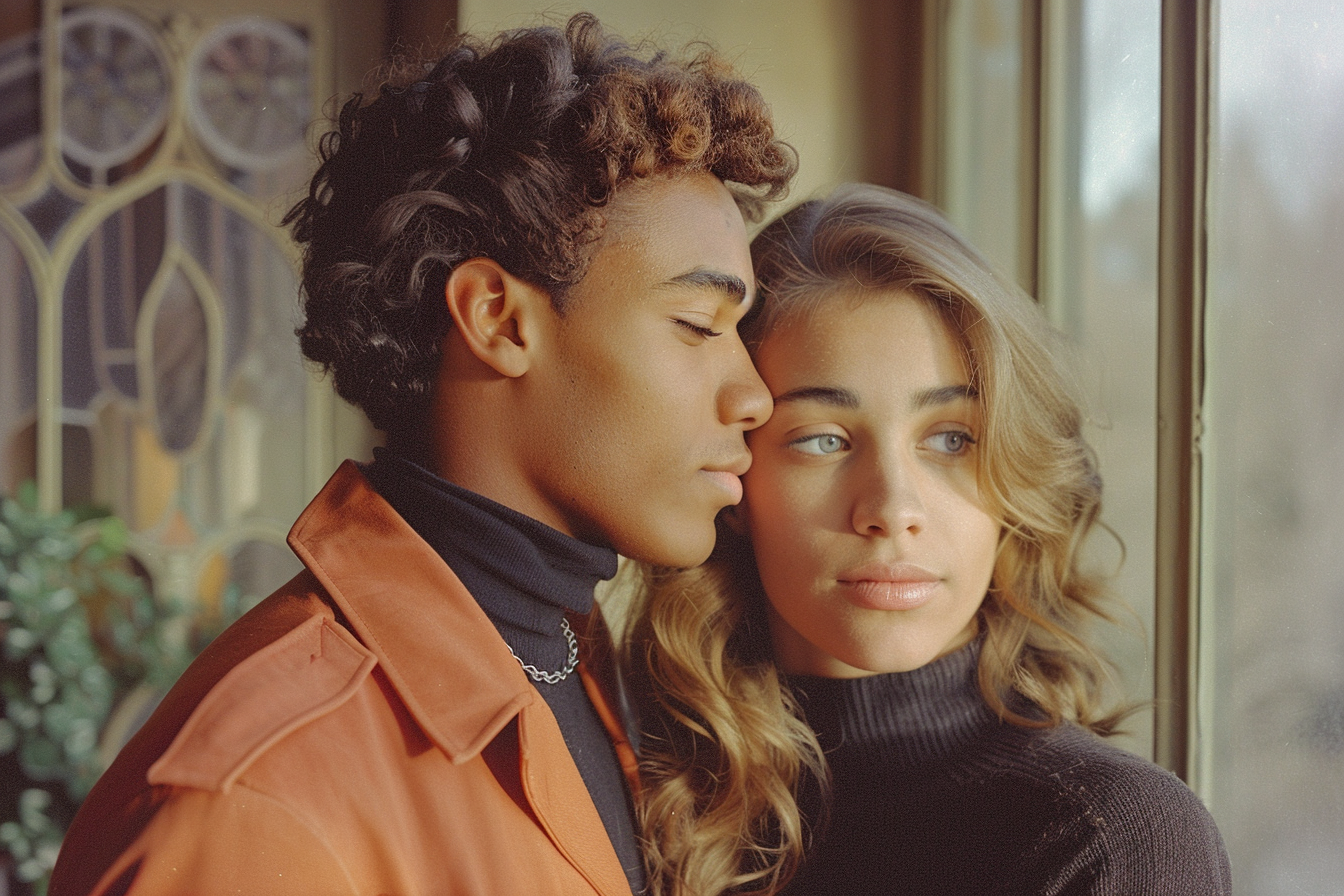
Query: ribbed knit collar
[[524, 574], [915, 716]]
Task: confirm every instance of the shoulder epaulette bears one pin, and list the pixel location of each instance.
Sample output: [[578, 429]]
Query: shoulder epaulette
[[300, 677]]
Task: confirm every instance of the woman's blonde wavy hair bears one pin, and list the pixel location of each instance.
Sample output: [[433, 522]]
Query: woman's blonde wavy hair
[[724, 751]]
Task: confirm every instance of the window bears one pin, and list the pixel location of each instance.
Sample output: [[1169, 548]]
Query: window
[[1229, 511], [1065, 198], [1271, 738], [149, 363]]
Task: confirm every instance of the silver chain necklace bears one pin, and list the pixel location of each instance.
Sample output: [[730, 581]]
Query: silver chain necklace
[[554, 677]]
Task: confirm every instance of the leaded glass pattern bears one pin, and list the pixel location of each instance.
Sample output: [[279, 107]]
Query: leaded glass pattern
[[114, 88], [147, 355], [18, 366]]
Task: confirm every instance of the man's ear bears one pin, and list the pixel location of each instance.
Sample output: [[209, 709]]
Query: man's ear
[[497, 314]]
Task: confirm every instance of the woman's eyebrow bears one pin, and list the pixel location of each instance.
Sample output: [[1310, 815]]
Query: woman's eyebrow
[[829, 395], [942, 395], [838, 397]]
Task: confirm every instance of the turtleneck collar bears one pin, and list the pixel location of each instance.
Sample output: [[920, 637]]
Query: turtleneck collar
[[524, 574], [919, 715]]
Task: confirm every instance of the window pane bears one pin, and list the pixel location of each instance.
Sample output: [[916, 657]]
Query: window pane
[[18, 365], [1097, 275], [248, 93], [1273, 618], [180, 346], [20, 90], [1102, 291], [114, 92], [981, 77]]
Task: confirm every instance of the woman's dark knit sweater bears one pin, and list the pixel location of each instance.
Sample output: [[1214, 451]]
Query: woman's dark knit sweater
[[935, 796]]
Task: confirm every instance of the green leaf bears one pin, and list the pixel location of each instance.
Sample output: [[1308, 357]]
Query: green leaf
[[31, 870], [42, 692], [20, 847], [58, 720], [61, 599], [96, 682], [113, 535], [23, 714], [47, 851], [41, 758], [82, 741], [26, 495], [33, 801], [21, 584], [19, 642], [55, 547]]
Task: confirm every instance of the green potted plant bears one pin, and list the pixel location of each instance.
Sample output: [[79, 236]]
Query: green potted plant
[[78, 631]]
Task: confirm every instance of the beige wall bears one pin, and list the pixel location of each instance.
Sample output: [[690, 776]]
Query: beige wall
[[802, 54]]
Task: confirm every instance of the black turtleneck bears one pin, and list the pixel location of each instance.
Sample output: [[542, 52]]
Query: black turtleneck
[[933, 794], [526, 576]]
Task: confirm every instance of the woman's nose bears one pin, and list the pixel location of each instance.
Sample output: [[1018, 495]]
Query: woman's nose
[[888, 498]]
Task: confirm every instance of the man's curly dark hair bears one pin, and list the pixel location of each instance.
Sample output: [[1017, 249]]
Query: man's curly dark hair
[[507, 150]]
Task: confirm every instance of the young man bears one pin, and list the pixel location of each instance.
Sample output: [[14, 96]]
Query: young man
[[527, 266]]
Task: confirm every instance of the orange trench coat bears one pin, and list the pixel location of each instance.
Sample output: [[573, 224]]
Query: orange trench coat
[[363, 730]]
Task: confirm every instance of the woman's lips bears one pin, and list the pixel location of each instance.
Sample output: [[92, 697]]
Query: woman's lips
[[889, 587]]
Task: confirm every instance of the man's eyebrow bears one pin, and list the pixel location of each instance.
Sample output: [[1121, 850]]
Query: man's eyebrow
[[829, 395], [700, 278], [943, 395]]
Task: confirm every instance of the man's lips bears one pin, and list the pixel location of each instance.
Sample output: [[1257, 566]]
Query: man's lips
[[738, 465], [728, 475], [730, 483]]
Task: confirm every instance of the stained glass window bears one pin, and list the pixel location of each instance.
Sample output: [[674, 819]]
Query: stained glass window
[[149, 362]]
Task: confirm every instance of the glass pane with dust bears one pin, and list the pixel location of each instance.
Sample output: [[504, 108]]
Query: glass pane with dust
[[1273, 575]]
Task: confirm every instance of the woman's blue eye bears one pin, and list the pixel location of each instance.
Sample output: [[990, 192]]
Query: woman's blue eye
[[826, 443], [953, 442]]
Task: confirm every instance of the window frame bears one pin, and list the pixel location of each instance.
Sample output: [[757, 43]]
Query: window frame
[[1050, 45], [1182, 254]]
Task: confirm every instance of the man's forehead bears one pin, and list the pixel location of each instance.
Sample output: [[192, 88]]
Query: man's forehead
[[639, 203], [676, 233]]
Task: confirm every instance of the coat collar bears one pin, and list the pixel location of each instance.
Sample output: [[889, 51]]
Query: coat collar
[[448, 663], [432, 640]]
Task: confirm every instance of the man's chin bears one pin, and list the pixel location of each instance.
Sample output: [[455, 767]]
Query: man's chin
[[682, 553]]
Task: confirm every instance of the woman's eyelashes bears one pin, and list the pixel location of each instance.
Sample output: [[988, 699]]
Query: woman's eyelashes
[[952, 442], [820, 445]]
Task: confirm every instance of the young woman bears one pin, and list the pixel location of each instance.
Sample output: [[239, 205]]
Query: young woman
[[903, 574]]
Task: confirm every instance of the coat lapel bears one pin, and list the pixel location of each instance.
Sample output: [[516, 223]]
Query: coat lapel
[[446, 660]]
